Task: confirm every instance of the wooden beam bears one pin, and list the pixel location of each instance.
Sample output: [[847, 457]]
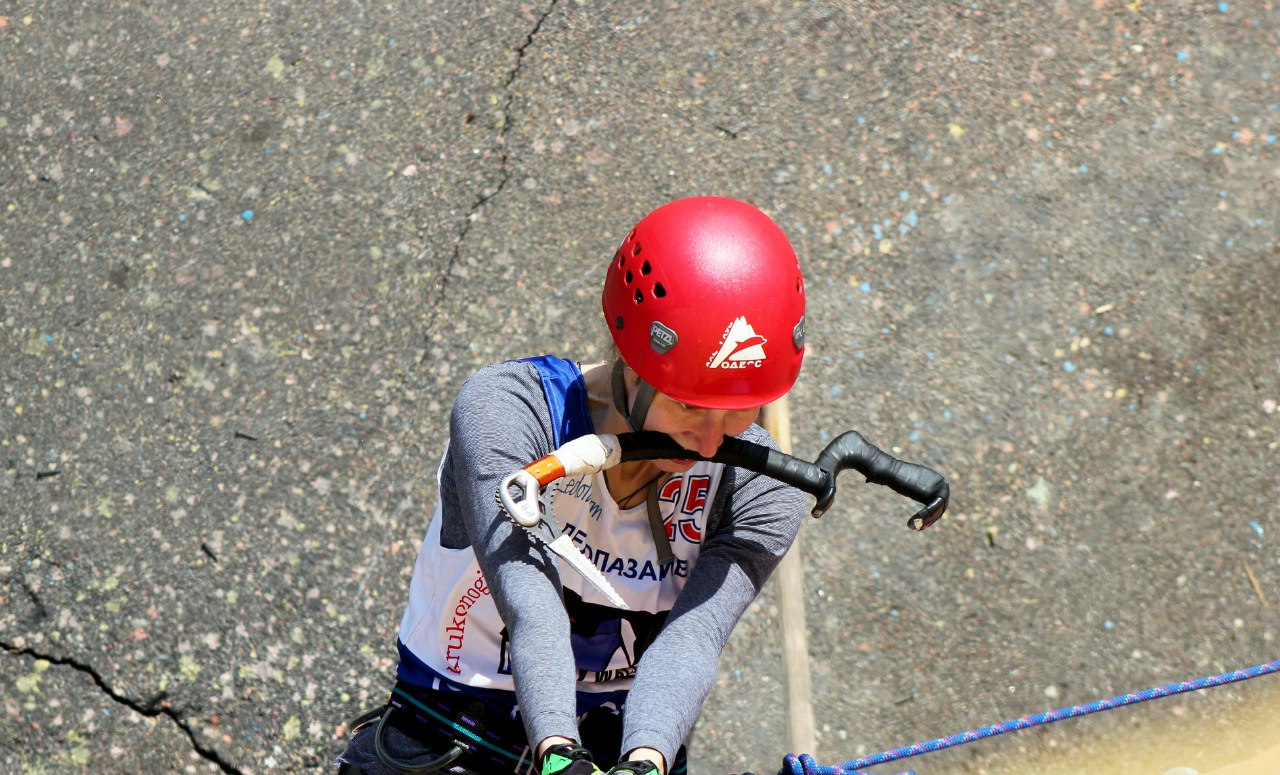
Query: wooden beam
[[776, 419]]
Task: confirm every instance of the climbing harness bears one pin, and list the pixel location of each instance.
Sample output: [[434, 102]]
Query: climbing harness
[[803, 764], [523, 495], [467, 726]]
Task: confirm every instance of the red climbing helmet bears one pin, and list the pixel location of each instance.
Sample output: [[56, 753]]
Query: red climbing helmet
[[705, 301]]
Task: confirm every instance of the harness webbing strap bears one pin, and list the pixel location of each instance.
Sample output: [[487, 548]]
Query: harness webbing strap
[[635, 420]]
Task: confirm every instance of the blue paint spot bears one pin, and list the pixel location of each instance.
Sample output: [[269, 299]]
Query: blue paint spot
[[865, 287], [1182, 56], [247, 215], [1224, 7], [1257, 528], [904, 196], [1068, 366]]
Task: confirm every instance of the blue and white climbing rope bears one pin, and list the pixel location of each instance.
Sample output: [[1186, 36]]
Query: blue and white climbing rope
[[803, 764]]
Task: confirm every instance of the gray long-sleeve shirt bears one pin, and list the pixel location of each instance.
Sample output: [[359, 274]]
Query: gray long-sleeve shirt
[[501, 422]]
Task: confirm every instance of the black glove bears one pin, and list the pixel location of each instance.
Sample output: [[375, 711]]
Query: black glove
[[568, 759], [633, 768]]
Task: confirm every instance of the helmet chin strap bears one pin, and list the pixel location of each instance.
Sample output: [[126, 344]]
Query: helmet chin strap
[[635, 421], [644, 397]]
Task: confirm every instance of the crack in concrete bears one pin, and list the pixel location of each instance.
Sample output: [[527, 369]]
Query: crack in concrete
[[504, 171], [156, 706], [39, 611]]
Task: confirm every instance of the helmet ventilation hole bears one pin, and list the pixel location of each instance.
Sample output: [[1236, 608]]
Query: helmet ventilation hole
[[659, 291], [646, 269], [635, 249], [629, 277], [639, 296]]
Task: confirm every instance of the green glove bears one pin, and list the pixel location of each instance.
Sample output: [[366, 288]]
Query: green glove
[[568, 759]]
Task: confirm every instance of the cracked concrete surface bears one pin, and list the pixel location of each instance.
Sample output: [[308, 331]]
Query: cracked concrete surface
[[502, 125], [154, 707], [248, 253]]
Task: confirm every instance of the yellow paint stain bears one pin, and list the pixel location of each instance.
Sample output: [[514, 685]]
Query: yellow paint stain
[[30, 683], [275, 66]]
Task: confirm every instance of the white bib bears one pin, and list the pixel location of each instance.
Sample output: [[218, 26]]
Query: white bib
[[452, 625]]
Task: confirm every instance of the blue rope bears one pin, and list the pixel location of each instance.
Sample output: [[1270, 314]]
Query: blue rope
[[805, 765]]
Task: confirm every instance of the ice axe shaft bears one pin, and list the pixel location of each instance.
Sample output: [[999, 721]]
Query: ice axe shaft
[[588, 454]]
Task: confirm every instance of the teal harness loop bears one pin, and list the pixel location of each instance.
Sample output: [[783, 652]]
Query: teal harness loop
[[468, 732]]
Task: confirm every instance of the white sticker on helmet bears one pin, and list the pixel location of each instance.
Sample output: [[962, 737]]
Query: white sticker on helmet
[[741, 348]]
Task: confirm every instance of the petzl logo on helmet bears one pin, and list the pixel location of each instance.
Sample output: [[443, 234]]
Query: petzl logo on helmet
[[742, 347], [661, 338]]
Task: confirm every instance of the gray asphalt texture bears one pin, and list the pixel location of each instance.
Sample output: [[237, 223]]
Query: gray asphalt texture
[[248, 252]]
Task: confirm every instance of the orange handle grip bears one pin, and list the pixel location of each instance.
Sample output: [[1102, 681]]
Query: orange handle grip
[[546, 470]]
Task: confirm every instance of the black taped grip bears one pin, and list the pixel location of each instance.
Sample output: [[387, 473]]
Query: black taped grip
[[849, 450], [921, 484], [801, 474]]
